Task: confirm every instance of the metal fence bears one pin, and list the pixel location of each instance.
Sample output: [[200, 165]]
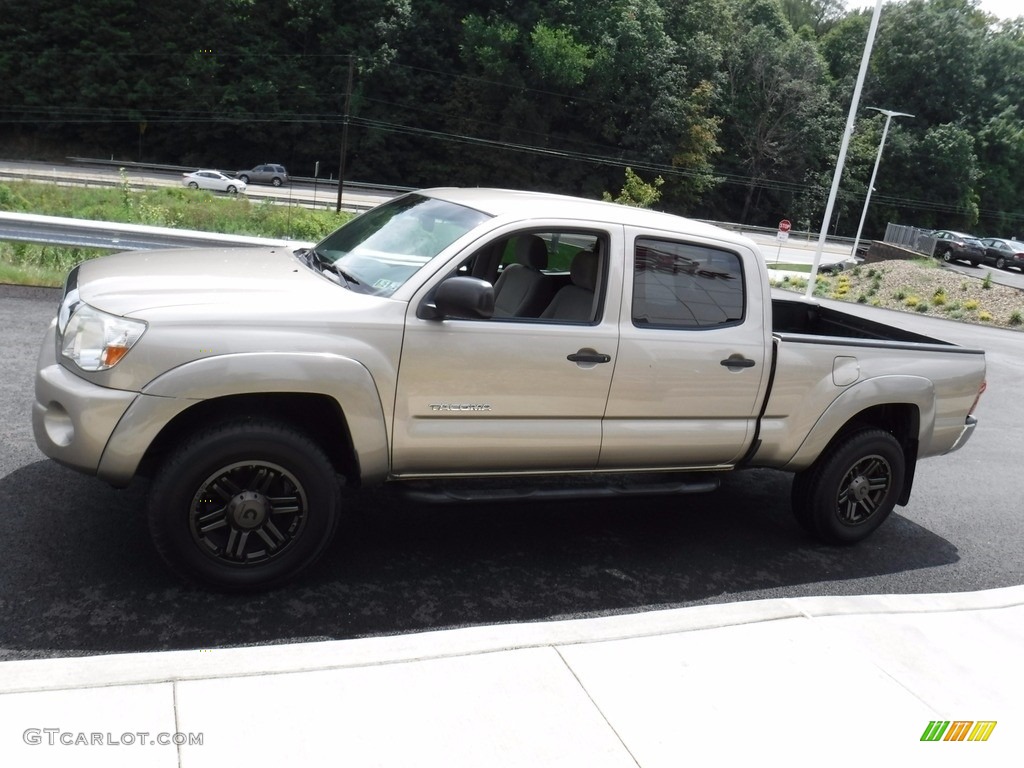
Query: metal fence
[[915, 239]]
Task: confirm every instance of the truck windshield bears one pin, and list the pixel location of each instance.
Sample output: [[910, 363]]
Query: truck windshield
[[382, 248]]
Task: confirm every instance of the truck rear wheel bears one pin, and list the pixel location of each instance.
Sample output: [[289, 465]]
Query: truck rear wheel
[[244, 505], [851, 489]]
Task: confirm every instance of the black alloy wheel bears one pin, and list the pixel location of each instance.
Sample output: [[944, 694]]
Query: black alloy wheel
[[851, 489], [243, 506], [248, 513]]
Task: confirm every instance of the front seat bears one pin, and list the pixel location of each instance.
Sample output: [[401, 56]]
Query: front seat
[[522, 290], [575, 302]]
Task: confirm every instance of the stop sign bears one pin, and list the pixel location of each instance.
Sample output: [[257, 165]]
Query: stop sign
[[784, 225]]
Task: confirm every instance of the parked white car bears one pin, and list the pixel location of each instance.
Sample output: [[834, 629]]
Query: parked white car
[[214, 180]]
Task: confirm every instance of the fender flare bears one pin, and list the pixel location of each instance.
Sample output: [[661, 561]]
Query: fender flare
[[877, 391], [345, 380]]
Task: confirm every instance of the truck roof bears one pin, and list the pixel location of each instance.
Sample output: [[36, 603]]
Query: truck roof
[[523, 204]]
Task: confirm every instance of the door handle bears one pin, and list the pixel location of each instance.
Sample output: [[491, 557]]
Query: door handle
[[588, 356], [738, 361]]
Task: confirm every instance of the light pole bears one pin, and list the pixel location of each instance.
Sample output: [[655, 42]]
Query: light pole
[[889, 115], [850, 118]]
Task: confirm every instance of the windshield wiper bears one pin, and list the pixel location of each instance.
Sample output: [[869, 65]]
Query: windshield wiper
[[319, 262]]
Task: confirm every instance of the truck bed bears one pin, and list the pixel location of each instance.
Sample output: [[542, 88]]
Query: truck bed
[[831, 365], [802, 318]]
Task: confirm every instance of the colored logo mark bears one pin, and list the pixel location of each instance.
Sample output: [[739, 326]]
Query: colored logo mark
[[959, 730]]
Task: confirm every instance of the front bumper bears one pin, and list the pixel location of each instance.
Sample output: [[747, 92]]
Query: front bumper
[[72, 419]]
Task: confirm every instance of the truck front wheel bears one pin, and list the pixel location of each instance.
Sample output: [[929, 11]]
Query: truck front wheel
[[852, 487], [244, 505]]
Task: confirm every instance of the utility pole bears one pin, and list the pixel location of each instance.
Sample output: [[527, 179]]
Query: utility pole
[[344, 130]]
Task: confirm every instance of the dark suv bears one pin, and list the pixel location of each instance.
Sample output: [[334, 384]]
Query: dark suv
[[267, 173], [956, 246]]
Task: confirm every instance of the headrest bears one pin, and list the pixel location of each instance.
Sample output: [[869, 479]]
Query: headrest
[[531, 251], [583, 270]]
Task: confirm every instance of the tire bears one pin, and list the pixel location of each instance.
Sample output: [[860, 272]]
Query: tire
[[276, 182], [975, 263], [243, 506], [243, 178], [232, 189], [851, 489], [1000, 262], [947, 257], [193, 185]]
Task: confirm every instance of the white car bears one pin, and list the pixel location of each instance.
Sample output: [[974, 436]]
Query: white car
[[214, 180]]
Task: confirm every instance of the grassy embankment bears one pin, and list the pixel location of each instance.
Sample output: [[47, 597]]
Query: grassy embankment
[[179, 208]]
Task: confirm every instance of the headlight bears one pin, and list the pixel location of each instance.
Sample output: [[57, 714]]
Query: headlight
[[94, 340]]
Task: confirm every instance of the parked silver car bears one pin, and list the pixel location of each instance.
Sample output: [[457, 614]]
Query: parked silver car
[[268, 173]]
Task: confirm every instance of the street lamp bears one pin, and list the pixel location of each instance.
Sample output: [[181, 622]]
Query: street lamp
[[843, 145], [889, 115]]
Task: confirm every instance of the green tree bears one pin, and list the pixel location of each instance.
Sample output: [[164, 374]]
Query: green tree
[[940, 174], [781, 121], [815, 15], [1000, 140], [925, 60], [557, 58], [738, 113], [637, 192], [1001, 183], [649, 102], [843, 48]]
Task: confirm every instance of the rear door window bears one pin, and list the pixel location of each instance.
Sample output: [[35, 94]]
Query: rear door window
[[686, 285]]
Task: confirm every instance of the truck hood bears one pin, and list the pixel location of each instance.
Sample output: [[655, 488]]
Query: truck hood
[[134, 282]]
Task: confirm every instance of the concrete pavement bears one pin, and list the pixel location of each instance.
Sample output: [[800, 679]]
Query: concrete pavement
[[808, 681]]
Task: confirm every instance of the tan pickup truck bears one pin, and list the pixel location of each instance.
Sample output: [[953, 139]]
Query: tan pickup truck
[[477, 344]]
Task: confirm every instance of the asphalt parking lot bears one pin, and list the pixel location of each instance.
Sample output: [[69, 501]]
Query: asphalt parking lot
[[80, 576]]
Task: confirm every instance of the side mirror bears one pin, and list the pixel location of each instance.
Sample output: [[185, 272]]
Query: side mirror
[[467, 298]]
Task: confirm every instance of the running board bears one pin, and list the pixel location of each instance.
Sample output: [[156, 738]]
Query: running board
[[553, 489]]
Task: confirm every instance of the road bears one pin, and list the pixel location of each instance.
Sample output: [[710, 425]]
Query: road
[[322, 195], [80, 576]]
